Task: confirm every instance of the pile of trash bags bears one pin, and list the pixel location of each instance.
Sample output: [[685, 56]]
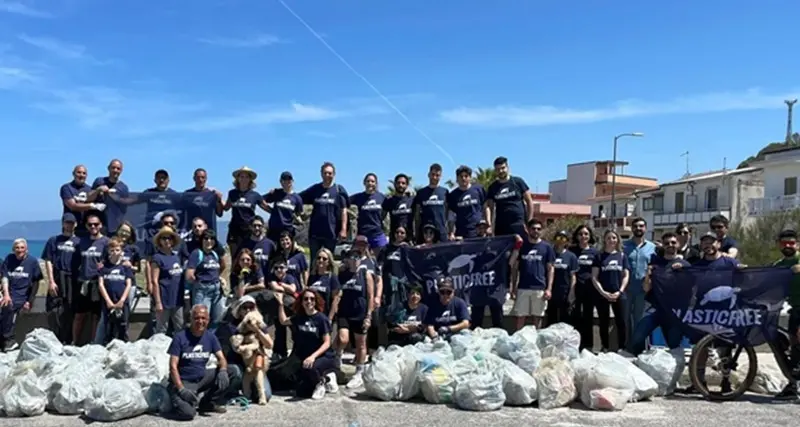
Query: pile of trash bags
[[121, 380], [485, 369]]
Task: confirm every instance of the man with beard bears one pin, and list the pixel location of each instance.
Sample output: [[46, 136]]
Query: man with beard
[[719, 226], [328, 219], [430, 204], [639, 251], [400, 206], [532, 276], [114, 194], [467, 203], [258, 243], [688, 251], [202, 201], [787, 242], [77, 197], [510, 199]]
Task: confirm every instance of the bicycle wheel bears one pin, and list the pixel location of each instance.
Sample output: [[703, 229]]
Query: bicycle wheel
[[726, 365]]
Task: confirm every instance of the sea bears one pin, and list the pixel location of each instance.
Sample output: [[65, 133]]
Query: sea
[[35, 247]]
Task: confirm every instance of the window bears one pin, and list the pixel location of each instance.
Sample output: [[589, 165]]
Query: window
[[679, 202], [647, 204], [658, 202], [711, 199], [790, 186]]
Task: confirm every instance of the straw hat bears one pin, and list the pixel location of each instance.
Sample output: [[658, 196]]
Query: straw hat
[[167, 231], [245, 169]]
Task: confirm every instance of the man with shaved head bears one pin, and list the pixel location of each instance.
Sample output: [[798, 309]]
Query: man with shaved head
[[189, 353], [77, 198], [112, 192]]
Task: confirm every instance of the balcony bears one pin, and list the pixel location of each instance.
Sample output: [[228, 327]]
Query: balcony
[[673, 219], [767, 205], [623, 224], [626, 180]]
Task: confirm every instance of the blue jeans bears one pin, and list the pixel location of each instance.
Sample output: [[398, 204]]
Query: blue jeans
[[209, 295], [651, 321], [634, 309]]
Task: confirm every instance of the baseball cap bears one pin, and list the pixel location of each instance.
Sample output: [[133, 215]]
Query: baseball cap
[[446, 283], [162, 172], [287, 176], [483, 223], [361, 240], [562, 233], [68, 217], [708, 235]]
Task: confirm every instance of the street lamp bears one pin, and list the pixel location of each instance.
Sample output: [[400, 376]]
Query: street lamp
[[614, 177]]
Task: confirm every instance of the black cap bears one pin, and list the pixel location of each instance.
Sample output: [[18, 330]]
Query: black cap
[[162, 172], [446, 283], [287, 176], [68, 217], [562, 233]]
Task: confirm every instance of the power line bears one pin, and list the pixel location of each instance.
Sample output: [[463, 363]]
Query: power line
[[366, 81]]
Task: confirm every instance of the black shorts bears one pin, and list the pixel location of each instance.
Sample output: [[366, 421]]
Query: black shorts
[[354, 326], [89, 303], [504, 229]]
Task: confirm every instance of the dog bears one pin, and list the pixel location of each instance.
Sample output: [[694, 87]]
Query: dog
[[256, 358]]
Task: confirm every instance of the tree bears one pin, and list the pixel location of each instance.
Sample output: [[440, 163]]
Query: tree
[[762, 153], [757, 238], [568, 223]]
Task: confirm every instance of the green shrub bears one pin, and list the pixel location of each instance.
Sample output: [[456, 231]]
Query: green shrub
[[757, 238]]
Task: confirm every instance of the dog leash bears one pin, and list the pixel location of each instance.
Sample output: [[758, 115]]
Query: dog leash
[[242, 402]]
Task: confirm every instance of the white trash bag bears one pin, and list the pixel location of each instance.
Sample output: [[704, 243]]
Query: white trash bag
[[115, 400], [603, 385], [644, 387], [582, 366], [40, 344], [560, 340], [20, 395], [519, 387], [480, 392], [607, 399], [436, 380], [521, 349], [383, 377], [664, 367], [555, 381]]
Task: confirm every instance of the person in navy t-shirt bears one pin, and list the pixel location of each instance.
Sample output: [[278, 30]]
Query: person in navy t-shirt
[[328, 220], [247, 277], [370, 212], [259, 245], [534, 271], [115, 283], [511, 200], [203, 275], [77, 197], [242, 201], [62, 261], [189, 352], [20, 275], [114, 194], [86, 294], [610, 274], [448, 314], [466, 202], [203, 202], [286, 209], [293, 256], [324, 280], [585, 295], [311, 334], [166, 270], [430, 205], [565, 266], [281, 282], [399, 206], [406, 324]]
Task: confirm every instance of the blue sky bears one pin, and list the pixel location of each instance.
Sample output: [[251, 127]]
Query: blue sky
[[218, 84]]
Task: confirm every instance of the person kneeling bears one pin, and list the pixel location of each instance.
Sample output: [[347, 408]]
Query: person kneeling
[[405, 325], [192, 386], [449, 315], [311, 334]]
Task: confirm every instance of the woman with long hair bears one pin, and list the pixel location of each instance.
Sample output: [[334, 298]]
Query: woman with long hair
[[610, 274], [242, 202], [246, 275], [324, 280], [583, 242], [295, 258]]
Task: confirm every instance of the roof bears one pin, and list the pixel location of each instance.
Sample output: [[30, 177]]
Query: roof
[[562, 209], [701, 177], [624, 196], [619, 162]]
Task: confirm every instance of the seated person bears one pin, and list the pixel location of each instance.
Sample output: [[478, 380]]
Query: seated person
[[311, 333], [228, 329], [248, 279], [405, 325], [447, 315], [189, 379]]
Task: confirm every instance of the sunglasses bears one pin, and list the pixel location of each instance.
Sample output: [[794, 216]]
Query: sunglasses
[[312, 299], [93, 224], [168, 223], [257, 225], [446, 292], [166, 237]]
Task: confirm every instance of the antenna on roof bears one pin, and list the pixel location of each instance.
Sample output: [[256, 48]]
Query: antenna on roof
[[790, 104], [686, 155]]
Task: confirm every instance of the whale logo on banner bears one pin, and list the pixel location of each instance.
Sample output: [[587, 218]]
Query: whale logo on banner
[[741, 305]]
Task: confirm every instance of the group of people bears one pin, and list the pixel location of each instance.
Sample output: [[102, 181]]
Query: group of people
[[91, 274]]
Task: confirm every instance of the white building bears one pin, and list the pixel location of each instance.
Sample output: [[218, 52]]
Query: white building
[[781, 172], [601, 213], [697, 198]]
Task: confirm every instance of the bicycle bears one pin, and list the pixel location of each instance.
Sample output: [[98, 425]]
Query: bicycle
[[727, 362]]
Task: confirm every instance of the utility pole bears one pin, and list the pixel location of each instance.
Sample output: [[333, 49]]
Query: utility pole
[[789, 103], [686, 155], [613, 215]]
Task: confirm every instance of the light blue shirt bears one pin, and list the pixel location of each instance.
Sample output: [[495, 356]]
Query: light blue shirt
[[638, 259]]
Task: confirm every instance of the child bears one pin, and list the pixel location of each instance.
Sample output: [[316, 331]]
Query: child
[[115, 282]]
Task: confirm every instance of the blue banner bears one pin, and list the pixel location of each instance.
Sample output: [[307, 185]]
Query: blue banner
[[742, 305], [478, 267]]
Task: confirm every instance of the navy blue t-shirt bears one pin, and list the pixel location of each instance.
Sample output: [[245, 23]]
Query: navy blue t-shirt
[[287, 279], [308, 334], [193, 242], [206, 266], [611, 267], [284, 208], [586, 258], [243, 210], [158, 201], [453, 313], [251, 277], [169, 279], [327, 209], [201, 204], [353, 302], [564, 267], [509, 200], [63, 252], [114, 280], [297, 264], [21, 275], [326, 285], [193, 353], [400, 210], [721, 263], [658, 261], [533, 260], [431, 203], [370, 213], [727, 243], [408, 315], [79, 193], [261, 249], [467, 205], [91, 253], [116, 202]]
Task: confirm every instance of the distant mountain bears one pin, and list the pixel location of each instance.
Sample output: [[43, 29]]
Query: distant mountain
[[43, 230]]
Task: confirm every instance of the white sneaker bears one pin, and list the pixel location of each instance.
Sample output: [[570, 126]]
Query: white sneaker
[[319, 392], [331, 383], [356, 381]]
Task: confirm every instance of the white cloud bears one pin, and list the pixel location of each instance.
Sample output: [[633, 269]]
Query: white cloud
[[259, 40], [18, 8], [73, 52], [11, 77], [544, 115]]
